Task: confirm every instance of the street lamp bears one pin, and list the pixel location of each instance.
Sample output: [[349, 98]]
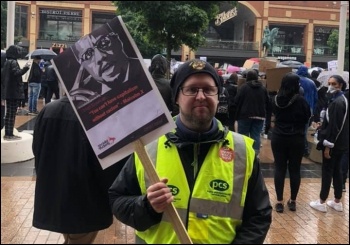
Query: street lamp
[[10, 33], [342, 31]]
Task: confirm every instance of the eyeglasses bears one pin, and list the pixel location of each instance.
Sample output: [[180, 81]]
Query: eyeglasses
[[193, 91], [102, 44]]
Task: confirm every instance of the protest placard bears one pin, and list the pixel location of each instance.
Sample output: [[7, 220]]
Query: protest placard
[[116, 99], [112, 92]]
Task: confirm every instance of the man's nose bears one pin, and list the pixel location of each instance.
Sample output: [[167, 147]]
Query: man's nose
[[200, 94]]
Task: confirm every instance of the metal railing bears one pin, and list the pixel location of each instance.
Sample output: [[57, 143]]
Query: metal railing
[[229, 44], [291, 49], [322, 50], [277, 48]]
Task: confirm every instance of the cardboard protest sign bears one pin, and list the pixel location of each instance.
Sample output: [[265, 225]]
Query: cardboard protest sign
[[248, 64], [114, 96], [266, 64], [274, 77]]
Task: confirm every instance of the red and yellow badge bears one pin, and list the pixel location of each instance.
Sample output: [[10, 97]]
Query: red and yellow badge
[[226, 154]]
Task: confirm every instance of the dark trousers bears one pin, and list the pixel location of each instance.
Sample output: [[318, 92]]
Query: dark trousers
[[52, 88], [43, 91], [25, 100], [82, 238], [2, 115], [345, 167], [331, 169], [288, 153], [11, 109]]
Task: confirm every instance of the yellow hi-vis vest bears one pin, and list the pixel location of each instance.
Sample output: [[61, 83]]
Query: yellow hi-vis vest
[[214, 209]]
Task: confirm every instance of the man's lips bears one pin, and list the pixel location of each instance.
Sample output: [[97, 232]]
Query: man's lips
[[200, 106]]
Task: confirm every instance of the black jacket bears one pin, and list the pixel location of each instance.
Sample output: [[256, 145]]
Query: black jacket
[[131, 208], [164, 88], [291, 115], [3, 87], [51, 75], [35, 74], [322, 103], [71, 192], [252, 100], [12, 75], [331, 126]]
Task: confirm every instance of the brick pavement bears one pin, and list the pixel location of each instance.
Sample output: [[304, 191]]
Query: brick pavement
[[305, 226]]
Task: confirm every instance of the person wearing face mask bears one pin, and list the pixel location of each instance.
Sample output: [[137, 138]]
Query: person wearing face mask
[[334, 143]]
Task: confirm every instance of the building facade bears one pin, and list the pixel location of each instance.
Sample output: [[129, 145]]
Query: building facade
[[58, 24], [235, 35]]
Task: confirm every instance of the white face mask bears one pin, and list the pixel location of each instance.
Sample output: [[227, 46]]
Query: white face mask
[[331, 89]]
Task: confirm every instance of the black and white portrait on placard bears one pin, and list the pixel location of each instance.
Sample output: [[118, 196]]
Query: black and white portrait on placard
[[111, 92]]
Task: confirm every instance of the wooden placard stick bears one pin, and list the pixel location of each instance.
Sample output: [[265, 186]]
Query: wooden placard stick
[[154, 178]]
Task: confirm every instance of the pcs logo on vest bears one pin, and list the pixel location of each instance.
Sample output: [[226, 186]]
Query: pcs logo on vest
[[219, 187], [174, 190]]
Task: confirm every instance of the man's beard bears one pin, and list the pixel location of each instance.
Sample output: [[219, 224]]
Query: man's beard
[[198, 123]]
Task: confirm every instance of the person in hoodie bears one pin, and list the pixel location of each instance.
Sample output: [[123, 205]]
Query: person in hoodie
[[287, 142], [158, 70], [209, 173], [14, 92], [251, 104], [311, 96]]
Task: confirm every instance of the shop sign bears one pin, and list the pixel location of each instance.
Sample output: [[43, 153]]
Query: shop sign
[[225, 16], [59, 45], [61, 12], [326, 30], [62, 15], [286, 58]]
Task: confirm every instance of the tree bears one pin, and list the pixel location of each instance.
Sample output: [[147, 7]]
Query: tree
[[3, 23], [136, 25], [333, 41], [169, 24]]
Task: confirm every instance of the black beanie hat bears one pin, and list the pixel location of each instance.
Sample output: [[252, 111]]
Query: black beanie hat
[[189, 68]]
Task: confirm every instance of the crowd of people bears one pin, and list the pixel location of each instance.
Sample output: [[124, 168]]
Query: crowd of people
[[209, 164], [41, 82]]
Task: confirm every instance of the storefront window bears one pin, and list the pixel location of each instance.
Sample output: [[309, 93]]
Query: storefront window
[[321, 35], [289, 39], [98, 19], [61, 25], [289, 35], [21, 28]]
